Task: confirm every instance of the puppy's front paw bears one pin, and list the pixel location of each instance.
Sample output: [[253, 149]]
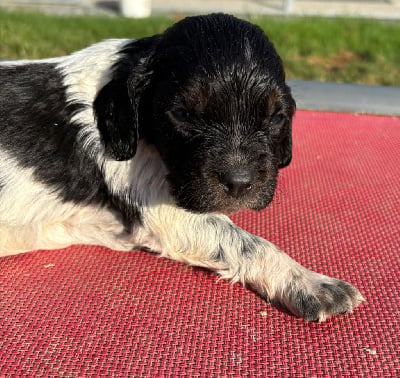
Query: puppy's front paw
[[315, 297]]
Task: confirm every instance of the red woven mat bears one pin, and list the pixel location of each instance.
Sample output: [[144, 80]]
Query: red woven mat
[[87, 311]]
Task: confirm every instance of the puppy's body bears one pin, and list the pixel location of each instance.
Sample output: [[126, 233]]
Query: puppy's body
[[139, 143], [52, 166]]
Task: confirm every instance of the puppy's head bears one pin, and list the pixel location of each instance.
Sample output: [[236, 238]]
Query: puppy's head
[[220, 113], [217, 108]]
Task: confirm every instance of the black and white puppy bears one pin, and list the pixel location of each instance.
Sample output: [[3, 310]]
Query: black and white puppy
[[146, 143]]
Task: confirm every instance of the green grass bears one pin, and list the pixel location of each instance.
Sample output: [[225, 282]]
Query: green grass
[[340, 50]]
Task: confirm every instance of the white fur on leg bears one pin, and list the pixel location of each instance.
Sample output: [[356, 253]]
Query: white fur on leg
[[213, 241]]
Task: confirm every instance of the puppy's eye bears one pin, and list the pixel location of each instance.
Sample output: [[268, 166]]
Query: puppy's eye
[[276, 126], [179, 114], [276, 119]]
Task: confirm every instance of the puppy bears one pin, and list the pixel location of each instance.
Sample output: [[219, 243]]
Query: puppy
[[146, 144]]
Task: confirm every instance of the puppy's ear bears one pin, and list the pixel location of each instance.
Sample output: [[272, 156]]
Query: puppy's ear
[[117, 104], [116, 121], [285, 148]]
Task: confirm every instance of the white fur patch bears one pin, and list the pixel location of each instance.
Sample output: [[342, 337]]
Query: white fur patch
[[22, 199], [85, 73]]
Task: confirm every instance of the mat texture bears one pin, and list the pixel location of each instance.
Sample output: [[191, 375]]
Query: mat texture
[[89, 311]]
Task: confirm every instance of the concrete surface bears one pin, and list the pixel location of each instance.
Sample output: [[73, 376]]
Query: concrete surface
[[354, 98], [381, 9], [378, 9]]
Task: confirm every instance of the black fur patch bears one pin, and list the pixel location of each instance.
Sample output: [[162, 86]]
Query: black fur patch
[[116, 105], [249, 246], [36, 130], [218, 254]]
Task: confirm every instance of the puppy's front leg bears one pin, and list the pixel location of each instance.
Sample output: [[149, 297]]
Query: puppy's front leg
[[213, 241]]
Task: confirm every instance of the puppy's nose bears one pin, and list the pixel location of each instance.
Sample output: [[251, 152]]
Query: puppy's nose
[[236, 183]]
